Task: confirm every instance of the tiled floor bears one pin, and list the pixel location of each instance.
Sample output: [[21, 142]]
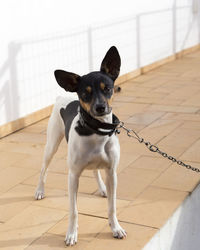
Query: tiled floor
[[164, 107]]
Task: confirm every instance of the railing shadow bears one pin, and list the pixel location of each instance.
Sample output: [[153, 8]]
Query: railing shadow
[[9, 97]]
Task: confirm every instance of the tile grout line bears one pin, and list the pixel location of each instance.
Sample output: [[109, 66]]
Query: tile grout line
[[47, 187], [169, 132], [171, 189], [160, 118], [43, 234], [20, 183], [106, 218]]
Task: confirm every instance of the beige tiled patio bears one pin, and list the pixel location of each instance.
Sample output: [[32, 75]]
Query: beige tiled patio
[[164, 107]]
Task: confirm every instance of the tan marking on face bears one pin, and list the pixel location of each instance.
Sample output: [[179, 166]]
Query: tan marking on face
[[89, 89], [85, 105], [102, 85], [110, 101]]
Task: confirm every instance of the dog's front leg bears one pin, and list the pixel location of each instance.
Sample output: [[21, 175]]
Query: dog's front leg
[[72, 232], [111, 185]]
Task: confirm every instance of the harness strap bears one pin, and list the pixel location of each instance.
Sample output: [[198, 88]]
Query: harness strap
[[98, 127]]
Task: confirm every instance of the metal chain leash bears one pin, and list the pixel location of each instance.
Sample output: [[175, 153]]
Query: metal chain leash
[[131, 133]]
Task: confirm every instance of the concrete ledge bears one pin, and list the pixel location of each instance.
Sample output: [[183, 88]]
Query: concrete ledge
[[182, 230], [23, 122]]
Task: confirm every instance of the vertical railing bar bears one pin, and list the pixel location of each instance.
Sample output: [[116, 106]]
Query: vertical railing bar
[[138, 41], [198, 16], [174, 28], [90, 51]]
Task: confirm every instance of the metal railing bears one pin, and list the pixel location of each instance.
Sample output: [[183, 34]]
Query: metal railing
[[141, 40]]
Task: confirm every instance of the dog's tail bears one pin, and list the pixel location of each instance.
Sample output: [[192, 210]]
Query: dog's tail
[[117, 89]]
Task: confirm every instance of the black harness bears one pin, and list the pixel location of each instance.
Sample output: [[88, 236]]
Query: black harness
[[86, 125], [96, 126]]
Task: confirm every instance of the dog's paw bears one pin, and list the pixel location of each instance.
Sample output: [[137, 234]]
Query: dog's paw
[[39, 194], [119, 232], [71, 238], [103, 192]]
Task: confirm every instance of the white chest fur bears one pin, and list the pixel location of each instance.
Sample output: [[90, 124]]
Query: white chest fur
[[89, 152]]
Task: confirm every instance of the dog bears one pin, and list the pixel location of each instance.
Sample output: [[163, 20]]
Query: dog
[[85, 118]]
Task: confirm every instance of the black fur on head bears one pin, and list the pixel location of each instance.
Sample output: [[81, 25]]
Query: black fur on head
[[95, 89]]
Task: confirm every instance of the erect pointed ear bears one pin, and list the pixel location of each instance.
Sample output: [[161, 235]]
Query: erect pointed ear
[[111, 63], [67, 80]]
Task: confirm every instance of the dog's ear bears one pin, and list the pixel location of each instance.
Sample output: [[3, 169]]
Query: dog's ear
[[67, 80], [111, 63]]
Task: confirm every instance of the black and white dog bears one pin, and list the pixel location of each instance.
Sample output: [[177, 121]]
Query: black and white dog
[[87, 121]]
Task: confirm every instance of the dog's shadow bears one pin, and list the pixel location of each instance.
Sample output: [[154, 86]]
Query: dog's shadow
[[50, 240]]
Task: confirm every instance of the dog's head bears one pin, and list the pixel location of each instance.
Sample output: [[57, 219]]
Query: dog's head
[[95, 90]]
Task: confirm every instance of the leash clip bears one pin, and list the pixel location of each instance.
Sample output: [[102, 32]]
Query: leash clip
[[117, 131]]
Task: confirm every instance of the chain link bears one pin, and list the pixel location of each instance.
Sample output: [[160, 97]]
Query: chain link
[[153, 148]]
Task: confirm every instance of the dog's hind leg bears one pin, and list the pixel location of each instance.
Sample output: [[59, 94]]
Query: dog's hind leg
[[101, 185], [55, 134]]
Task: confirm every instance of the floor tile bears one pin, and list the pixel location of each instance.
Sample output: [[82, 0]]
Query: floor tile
[[145, 118], [192, 153], [125, 160], [22, 136], [182, 117], [27, 226], [88, 227], [133, 181], [137, 237], [37, 128], [192, 101], [134, 147], [130, 108], [181, 137], [54, 198], [171, 108], [122, 98], [55, 242], [11, 176], [59, 181], [57, 165], [175, 176], [190, 125], [29, 148], [22, 147], [150, 163], [159, 129], [15, 200], [8, 159], [153, 207], [97, 205]]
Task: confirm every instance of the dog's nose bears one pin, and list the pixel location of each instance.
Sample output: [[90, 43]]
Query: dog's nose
[[100, 108]]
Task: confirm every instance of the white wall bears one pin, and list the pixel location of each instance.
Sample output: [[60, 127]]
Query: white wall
[[38, 37]]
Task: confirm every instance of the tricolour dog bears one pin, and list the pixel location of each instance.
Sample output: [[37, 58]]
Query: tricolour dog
[[87, 121]]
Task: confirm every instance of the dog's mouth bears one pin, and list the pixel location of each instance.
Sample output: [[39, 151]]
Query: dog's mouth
[[100, 112]]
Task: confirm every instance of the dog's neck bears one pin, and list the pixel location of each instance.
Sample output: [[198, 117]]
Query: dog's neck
[[104, 125], [106, 118]]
